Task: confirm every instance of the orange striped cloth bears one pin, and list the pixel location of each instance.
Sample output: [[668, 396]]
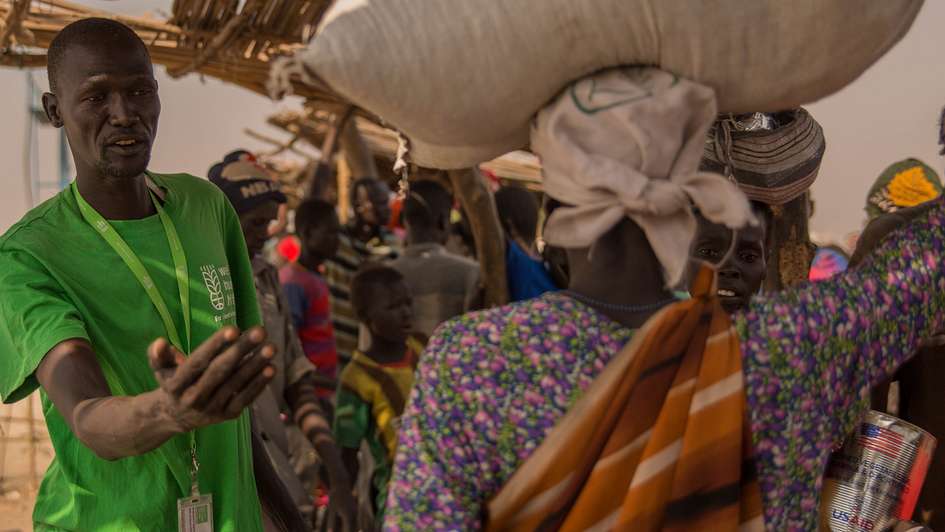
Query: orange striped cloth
[[660, 441]]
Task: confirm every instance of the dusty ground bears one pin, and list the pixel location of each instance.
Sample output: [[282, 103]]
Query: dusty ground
[[15, 512]]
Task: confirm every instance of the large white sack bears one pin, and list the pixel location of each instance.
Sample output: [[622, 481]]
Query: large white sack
[[462, 78]]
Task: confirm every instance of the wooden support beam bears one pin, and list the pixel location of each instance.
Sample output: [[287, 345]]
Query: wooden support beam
[[280, 146], [343, 186], [357, 154], [790, 250], [323, 172], [479, 206]]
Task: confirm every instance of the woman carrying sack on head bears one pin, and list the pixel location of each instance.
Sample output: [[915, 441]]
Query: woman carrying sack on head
[[695, 420]]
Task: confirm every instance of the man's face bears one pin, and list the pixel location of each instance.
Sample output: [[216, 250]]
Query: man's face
[[391, 313], [107, 101], [371, 204], [322, 241], [255, 224], [740, 276]]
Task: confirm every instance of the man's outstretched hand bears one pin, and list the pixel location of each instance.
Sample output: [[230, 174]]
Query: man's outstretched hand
[[217, 381]]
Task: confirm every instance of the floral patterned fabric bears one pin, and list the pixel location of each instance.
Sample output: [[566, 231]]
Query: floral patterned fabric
[[810, 356], [492, 384]]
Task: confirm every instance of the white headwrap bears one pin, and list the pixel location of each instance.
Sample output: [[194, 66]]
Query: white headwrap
[[627, 142]]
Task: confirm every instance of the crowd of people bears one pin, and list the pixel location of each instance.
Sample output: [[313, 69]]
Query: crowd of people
[[191, 374]]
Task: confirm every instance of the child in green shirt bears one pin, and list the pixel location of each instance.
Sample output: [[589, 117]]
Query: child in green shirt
[[374, 387]]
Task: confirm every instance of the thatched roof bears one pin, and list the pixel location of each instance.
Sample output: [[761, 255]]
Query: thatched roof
[[220, 39], [216, 38]]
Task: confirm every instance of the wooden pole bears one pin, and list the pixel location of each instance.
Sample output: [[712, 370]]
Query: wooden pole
[[790, 250], [479, 206], [359, 157], [323, 171], [344, 191]]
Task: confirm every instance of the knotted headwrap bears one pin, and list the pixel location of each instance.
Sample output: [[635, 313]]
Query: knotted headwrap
[[627, 142]]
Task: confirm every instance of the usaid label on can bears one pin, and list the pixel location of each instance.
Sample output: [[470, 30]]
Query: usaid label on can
[[876, 477]]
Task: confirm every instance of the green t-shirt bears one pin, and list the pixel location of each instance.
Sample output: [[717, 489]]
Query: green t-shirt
[[59, 280]]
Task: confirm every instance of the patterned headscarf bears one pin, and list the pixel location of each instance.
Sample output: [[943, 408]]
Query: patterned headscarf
[[627, 143], [903, 184]]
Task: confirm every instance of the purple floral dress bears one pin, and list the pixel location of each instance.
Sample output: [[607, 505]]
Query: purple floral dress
[[492, 384]]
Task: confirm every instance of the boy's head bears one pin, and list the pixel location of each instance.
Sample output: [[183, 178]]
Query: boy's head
[[382, 302], [741, 275], [317, 226], [427, 212], [252, 192]]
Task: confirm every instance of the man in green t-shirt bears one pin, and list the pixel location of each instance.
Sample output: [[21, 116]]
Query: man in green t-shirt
[[105, 288]]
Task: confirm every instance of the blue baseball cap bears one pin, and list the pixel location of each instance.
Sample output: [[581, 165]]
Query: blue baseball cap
[[245, 183]]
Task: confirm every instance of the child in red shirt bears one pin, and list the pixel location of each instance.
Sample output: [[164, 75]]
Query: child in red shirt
[[317, 226]]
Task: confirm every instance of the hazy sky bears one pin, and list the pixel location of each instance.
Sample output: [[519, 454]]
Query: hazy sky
[[889, 114]]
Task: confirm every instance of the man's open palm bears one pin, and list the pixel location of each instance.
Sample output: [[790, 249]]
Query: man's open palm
[[217, 381]]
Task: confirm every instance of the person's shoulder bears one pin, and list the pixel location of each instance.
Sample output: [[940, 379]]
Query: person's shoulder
[[484, 329], [190, 185], [347, 371], [42, 224], [461, 261], [352, 375], [183, 181], [309, 280], [286, 272]]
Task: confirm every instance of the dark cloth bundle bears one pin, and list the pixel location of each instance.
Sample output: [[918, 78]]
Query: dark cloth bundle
[[773, 163]]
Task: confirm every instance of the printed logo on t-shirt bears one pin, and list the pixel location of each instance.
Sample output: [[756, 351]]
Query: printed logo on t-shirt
[[214, 287], [220, 290]]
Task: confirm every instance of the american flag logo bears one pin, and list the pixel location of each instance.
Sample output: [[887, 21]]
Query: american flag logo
[[881, 440]]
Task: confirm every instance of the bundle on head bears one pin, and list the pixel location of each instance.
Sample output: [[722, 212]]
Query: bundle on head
[[774, 158]]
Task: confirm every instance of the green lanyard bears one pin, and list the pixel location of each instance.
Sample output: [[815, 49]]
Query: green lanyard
[[134, 264]]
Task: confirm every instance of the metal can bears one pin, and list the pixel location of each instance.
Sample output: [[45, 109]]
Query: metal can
[[874, 480]]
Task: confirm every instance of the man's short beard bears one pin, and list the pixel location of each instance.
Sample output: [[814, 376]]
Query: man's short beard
[[112, 171]]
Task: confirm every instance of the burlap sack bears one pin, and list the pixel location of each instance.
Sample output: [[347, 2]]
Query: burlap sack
[[462, 78]]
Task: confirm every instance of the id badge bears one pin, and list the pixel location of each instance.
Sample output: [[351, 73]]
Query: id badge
[[195, 513]]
